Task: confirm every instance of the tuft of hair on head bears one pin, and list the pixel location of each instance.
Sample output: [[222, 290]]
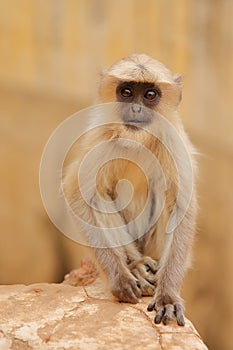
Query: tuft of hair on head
[[139, 68]]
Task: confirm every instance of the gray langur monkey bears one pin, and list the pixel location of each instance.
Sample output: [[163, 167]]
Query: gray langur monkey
[[155, 262]]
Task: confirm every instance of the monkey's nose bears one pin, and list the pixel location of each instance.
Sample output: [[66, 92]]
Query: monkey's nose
[[136, 108]]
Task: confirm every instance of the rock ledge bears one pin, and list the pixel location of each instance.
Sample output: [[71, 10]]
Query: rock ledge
[[59, 316]]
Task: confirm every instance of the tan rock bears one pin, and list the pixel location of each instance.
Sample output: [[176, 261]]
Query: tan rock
[[59, 316]]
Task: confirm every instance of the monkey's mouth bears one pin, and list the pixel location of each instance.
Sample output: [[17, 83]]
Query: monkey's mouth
[[135, 124], [135, 121]]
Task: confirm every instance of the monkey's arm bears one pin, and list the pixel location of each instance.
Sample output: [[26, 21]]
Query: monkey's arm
[[172, 265], [104, 227], [112, 234]]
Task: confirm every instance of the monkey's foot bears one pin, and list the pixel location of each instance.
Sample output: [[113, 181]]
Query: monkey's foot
[[145, 271], [167, 311], [125, 287]]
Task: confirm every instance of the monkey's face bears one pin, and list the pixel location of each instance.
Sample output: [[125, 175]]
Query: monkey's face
[[145, 89], [140, 99]]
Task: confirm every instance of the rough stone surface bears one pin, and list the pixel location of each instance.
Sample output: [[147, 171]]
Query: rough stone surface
[[59, 316]]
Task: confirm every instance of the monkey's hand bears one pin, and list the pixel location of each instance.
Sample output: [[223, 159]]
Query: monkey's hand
[[167, 308], [145, 270], [125, 287]]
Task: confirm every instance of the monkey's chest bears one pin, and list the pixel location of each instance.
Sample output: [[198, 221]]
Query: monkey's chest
[[138, 198], [125, 183]]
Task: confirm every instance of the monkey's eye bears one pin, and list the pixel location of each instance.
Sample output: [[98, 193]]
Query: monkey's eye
[[126, 92], [151, 95]]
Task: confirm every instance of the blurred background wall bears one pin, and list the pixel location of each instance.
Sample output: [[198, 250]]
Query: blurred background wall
[[50, 55]]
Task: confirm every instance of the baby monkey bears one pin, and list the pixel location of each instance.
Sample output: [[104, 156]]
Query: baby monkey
[[152, 261]]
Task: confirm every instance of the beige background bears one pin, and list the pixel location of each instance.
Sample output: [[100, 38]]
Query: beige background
[[50, 55]]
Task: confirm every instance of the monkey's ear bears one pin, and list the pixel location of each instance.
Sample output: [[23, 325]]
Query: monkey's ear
[[103, 72], [178, 79]]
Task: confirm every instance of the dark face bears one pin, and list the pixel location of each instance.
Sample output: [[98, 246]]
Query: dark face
[[140, 98]]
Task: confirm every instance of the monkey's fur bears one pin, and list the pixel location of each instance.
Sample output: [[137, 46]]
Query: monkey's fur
[[155, 263]]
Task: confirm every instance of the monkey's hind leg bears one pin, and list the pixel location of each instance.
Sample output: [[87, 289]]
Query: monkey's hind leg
[[145, 270]]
